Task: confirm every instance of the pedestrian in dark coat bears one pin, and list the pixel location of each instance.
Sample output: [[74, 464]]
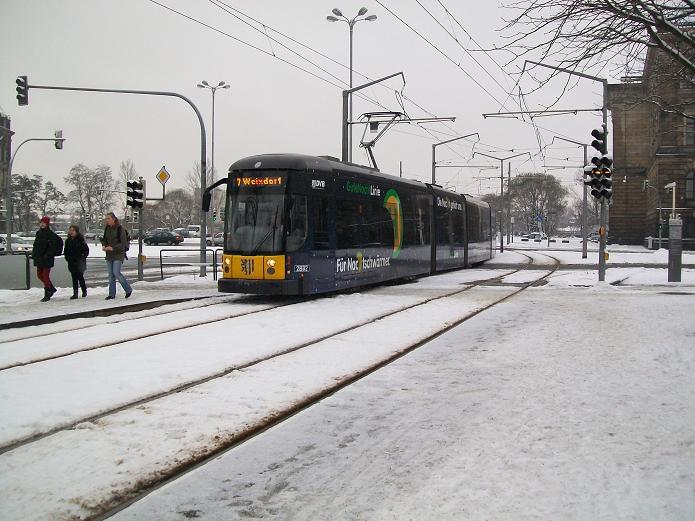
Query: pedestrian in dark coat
[[114, 242], [76, 253], [46, 246]]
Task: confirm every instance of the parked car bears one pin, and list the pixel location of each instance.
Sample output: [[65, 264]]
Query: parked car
[[91, 235], [216, 240], [162, 237], [593, 237]]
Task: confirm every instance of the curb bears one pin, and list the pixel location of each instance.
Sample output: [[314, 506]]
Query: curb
[[102, 312]]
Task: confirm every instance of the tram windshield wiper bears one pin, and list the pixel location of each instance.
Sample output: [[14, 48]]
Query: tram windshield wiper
[[268, 234]]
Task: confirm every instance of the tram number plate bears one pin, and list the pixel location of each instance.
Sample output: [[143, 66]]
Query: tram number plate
[[301, 268]]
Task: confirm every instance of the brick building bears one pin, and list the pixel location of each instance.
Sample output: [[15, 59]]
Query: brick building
[[650, 144]]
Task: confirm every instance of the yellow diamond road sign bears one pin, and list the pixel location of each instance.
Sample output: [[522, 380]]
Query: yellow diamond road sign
[[163, 176]]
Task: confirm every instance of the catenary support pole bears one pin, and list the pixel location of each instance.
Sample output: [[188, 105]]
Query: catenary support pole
[[141, 231]]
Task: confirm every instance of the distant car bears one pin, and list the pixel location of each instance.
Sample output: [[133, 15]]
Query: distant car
[[193, 230], [162, 237], [593, 237], [183, 232], [91, 235], [18, 244], [216, 240]]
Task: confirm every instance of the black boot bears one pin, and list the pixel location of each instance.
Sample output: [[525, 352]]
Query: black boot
[[53, 290], [74, 296], [46, 295], [84, 292]]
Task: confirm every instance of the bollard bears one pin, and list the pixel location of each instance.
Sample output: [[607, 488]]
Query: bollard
[[675, 249]]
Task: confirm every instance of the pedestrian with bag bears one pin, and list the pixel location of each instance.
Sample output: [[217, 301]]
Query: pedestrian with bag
[[76, 253], [47, 246], [115, 243]]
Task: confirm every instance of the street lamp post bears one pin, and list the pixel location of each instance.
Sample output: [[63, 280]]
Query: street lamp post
[[205, 85], [9, 210], [340, 17]]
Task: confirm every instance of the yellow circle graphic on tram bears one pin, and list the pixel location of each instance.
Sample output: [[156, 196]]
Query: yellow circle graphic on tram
[[392, 203]]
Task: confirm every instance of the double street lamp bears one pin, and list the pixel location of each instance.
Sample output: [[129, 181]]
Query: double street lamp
[[340, 17], [205, 85]]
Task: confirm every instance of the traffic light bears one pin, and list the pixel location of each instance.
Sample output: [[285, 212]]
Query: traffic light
[[214, 215], [599, 171], [600, 136], [58, 143], [135, 194], [127, 218], [22, 90], [136, 216]]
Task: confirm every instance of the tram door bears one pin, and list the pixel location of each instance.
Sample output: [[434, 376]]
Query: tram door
[[323, 252]]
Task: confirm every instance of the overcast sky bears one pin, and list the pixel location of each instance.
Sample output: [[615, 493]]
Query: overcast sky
[[271, 106]]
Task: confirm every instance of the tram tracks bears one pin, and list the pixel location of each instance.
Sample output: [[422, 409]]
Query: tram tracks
[[185, 467], [146, 485], [22, 441]]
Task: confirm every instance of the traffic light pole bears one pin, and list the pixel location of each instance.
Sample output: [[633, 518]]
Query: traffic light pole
[[8, 188], [203, 152]]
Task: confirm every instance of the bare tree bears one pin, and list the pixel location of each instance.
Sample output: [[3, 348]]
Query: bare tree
[[25, 191], [175, 211], [591, 35], [580, 34], [92, 191], [537, 194], [193, 188], [50, 200]]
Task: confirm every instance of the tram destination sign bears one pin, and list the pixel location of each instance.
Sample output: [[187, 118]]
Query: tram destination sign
[[259, 181]]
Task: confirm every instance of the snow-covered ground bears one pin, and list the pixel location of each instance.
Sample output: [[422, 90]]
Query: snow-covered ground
[[519, 414], [487, 422]]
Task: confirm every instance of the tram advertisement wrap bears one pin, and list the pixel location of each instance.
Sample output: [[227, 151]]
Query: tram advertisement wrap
[[359, 263]]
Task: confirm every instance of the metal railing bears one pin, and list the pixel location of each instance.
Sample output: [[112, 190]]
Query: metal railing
[[213, 251]]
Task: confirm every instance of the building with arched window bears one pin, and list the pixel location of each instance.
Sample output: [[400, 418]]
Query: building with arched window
[[651, 148]]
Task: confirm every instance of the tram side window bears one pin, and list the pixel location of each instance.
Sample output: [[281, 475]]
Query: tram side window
[[297, 222], [348, 223], [443, 226], [459, 228], [363, 223], [474, 224], [319, 213]]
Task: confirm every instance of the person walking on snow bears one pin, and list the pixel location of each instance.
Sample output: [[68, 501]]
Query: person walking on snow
[[114, 243], [47, 245], [76, 253]]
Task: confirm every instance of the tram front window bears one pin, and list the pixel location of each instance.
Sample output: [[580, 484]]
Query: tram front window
[[255, 222]]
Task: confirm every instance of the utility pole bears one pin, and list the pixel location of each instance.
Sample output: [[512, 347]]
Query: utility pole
[[501, 210], [585, 221], [434, 153], [603, 220], [509, 203]]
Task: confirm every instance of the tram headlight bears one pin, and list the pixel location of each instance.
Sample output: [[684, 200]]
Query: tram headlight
[[227, 265], [270, 263]]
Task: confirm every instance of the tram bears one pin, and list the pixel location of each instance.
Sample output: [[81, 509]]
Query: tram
[[304, 225]]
